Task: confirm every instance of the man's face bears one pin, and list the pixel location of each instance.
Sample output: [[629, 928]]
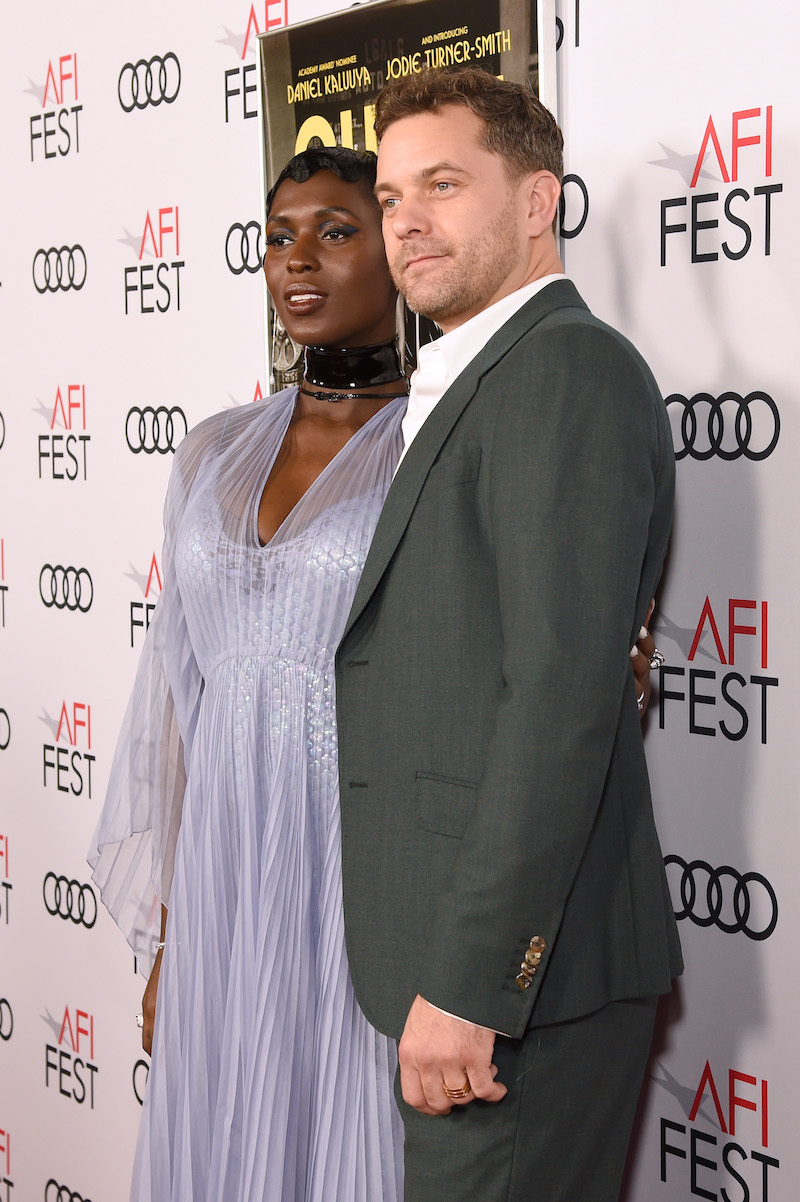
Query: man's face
[[453, 224]]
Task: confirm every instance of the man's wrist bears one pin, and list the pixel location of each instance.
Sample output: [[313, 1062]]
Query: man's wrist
[[460, 1019]]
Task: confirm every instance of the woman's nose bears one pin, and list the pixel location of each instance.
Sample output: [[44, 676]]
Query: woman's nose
[[303, 255]]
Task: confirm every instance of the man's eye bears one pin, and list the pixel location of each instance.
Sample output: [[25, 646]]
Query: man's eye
[[388, 203], [441, 186]]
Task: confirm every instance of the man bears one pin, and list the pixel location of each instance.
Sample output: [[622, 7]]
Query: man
[[505, 902]]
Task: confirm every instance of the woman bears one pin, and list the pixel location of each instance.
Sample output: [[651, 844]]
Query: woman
[[266, 1080]]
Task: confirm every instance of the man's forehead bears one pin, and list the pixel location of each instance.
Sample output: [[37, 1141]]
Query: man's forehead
[[447, 139]]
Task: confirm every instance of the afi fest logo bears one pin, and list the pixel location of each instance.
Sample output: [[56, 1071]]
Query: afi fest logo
[[54, 132], [240, 85], [733, 703], [69, 1064], [67, 761], [720, 1150], [5, 883], [141, 611], [5, 1165], [727, 221], [155, 287], [64, 456]]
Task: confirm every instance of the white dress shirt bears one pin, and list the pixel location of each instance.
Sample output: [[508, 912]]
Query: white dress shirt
[[442, 361]]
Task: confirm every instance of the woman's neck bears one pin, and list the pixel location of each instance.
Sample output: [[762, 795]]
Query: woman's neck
[[335, 374]]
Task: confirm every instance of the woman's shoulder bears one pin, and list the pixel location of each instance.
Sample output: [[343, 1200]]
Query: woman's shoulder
[[212, 437]]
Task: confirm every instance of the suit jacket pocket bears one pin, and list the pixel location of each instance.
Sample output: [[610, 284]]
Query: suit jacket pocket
[[444, 803], [450, 470]]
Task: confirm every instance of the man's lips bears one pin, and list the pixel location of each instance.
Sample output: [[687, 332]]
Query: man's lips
[[421, 260]]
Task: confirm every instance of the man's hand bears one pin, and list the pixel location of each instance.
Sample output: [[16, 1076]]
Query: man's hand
[[438, 1050]]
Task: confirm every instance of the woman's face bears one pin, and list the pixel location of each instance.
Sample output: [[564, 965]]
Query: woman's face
[[325, 263]]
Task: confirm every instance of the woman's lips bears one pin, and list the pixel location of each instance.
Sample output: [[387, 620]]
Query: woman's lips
[[304, 300]]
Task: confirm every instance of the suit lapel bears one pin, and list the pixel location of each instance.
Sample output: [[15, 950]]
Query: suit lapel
[[413, 471]]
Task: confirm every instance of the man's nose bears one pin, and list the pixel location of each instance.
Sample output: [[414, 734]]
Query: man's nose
[[409, 218]]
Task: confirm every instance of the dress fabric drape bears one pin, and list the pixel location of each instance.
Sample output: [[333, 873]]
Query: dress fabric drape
[[266, 1084]]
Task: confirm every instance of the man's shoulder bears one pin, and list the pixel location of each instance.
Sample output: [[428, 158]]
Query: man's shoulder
[[566, 332]]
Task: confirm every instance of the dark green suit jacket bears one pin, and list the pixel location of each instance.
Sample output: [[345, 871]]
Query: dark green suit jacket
[[493, 783]]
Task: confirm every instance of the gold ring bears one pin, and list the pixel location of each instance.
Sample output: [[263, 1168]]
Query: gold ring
[[456, 1094]]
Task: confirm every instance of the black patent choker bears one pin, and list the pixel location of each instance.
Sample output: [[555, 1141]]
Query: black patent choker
[[353, 367]]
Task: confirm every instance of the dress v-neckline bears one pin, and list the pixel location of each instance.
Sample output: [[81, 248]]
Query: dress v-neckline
[[268, 545]]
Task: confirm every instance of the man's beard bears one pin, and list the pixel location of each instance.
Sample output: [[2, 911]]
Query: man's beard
[[474, 272]]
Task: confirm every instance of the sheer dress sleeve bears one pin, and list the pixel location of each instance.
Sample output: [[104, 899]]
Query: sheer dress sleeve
[[133, 846]]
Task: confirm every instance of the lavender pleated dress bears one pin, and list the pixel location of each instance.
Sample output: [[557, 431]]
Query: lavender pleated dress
[[267, 1084]]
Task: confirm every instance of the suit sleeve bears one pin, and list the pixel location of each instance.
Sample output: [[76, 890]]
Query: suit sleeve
[[578, 494]]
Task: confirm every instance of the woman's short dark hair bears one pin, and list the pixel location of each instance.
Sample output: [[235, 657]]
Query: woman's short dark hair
[[353, 166]]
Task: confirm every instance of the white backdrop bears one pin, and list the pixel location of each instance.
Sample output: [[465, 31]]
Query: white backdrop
[[682, 129]]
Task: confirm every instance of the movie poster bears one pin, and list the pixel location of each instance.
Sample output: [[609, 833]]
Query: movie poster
[[319, 80]]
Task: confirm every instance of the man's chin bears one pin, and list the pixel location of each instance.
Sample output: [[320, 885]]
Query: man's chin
[[433, 307]]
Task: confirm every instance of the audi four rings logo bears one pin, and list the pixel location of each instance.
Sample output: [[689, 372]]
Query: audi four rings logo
[[66, 588], [243, 247], [152, 430], [59, 269], [729, 426], [53, 1192], [2, 430], [139, 1068], [149, 81], [69, 899], [725, 888], [6, 1020]]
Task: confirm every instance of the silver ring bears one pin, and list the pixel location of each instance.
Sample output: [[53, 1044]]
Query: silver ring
[[657, 659], [140, 1021]]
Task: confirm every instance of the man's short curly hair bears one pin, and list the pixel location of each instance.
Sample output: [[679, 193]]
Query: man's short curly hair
[[517, 126]]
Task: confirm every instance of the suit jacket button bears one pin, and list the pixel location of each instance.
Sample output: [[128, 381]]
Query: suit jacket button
[[533, 957], [523, 982], [538, 944]]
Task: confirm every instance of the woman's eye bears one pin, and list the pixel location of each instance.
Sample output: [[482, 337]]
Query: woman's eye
[[340, 233], [278, 240]]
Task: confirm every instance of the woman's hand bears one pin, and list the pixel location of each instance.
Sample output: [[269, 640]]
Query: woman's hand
[[151, 990], [641, 655], [149, 1003]]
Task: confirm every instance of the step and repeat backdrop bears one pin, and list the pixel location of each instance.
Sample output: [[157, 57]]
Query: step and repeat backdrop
[[132, 306]]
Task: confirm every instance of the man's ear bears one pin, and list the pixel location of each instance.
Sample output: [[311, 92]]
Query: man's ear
[[542, 192]]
